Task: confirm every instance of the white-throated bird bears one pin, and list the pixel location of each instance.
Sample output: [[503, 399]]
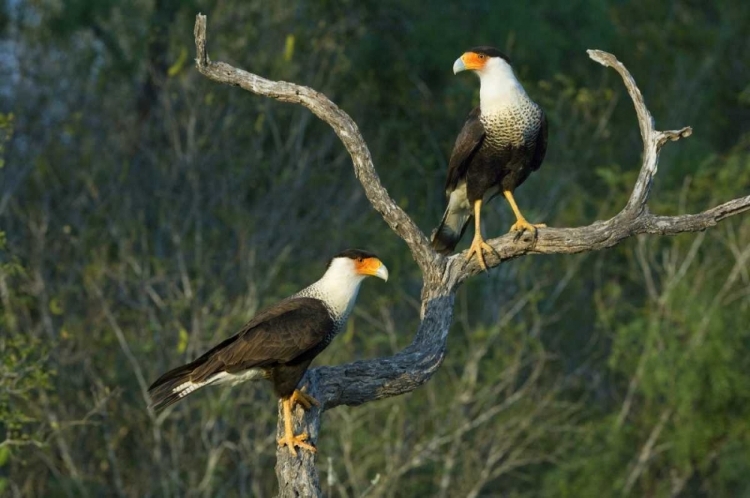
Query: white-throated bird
[[501, 143], [279, 343]]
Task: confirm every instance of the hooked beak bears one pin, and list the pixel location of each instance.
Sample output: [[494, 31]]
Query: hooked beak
[[382, 272], [459, 65], [372, 267]]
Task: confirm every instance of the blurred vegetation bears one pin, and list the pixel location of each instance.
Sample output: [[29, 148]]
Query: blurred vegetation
[[148, 213]]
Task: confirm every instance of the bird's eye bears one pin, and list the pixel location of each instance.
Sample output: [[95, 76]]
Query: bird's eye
[[359, 260], [481, 56]]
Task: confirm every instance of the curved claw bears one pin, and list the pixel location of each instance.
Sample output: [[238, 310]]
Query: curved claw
[[478, 246], [291, 441], [289, 438], [521, 225], [300, 397]]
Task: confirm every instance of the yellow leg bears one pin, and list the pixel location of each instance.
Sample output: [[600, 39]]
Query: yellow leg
[[300, 397], [289, 438], [521, 224], [478, 245]]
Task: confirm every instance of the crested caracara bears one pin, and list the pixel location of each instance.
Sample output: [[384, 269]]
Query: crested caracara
[[501, 143], [279, 343]]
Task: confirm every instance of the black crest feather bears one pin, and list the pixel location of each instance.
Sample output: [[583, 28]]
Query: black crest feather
[[490, 52]]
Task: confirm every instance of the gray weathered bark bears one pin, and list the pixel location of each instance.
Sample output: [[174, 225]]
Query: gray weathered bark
[[364, 381]]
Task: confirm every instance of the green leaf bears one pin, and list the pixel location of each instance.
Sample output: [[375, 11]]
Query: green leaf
[[179, 64], [55, 306], [289, 48], [183, 341]]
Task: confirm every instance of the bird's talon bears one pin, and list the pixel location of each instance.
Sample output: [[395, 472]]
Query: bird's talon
[[300, 397], [299, 441], [478, 246], [522, 226]]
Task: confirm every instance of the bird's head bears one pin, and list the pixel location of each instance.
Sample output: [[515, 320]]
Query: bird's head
[[499, 85], [339, 285], [484, 61], [357, 264]]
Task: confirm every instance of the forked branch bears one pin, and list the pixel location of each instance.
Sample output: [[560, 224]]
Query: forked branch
[[344, 126], [365, 381], [634, 218]]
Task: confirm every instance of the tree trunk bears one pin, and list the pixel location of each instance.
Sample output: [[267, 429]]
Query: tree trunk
[[365, 381]]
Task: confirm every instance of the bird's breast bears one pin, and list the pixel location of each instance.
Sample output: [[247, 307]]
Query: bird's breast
[[515, 125]]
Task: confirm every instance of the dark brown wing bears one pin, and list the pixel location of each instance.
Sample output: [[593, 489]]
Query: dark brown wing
[[467, 143], [541, 145], [277, 335]]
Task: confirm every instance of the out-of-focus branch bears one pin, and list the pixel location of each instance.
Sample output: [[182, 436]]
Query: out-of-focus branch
[[646, 452]]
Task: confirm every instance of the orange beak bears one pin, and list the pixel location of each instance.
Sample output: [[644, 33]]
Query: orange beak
[[372, 267], [469, 61]]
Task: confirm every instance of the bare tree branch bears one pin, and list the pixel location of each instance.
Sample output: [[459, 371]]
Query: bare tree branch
[[364, 381], [646, 452], [599, 235], [652, 139], [634, 218], [344, 126]]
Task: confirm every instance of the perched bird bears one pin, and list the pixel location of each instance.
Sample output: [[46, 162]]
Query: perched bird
[[501, 143], [279, 343]]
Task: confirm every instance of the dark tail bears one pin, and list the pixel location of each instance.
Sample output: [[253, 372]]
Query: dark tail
[[181, 381], [446, 236], [174, 385]]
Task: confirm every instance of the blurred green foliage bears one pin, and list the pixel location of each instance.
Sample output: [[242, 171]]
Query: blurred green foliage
[[149, 212], [24, 373]]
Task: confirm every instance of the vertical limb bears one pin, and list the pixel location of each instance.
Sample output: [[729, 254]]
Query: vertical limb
[[478, 245], [521, 224]]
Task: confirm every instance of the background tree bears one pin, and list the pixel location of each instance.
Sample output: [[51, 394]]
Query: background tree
[[143, 238]]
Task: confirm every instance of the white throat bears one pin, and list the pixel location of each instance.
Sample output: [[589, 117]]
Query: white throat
[[338, 287], [499, 87]]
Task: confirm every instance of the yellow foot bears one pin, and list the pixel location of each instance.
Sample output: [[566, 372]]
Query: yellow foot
[[478, 246], [299, 441], [300, 397], [522, 225]]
